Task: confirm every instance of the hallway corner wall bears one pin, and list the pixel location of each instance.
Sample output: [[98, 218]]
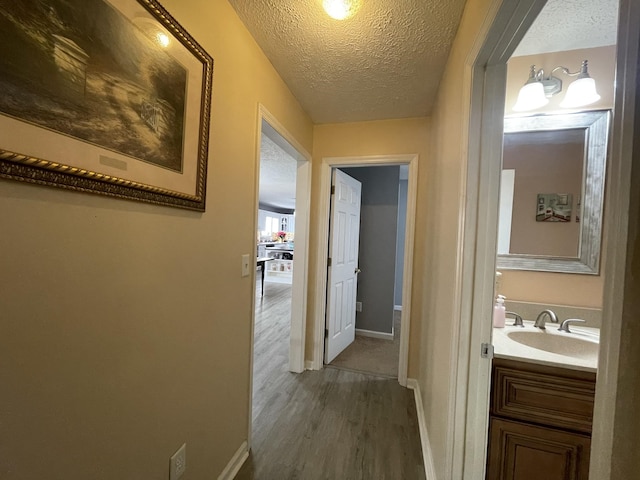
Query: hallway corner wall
[[441, 284], [126, 327]]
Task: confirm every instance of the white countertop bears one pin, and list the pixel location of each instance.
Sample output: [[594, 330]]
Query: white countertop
[[506, 347]]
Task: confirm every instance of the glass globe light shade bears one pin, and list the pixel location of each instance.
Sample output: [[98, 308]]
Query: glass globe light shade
[[531, 96], [580, 93]]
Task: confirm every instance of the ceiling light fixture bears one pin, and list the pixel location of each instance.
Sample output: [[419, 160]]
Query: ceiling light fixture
[[538, 89], [153, 30], [163, 39], [340, 9]]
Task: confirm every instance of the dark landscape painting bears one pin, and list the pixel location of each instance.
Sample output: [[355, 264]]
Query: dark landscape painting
[[80, 68]]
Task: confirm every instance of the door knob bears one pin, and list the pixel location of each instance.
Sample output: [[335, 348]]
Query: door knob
[[357, 271]]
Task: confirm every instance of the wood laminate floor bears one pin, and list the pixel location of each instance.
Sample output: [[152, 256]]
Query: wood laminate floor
[[329, 424]]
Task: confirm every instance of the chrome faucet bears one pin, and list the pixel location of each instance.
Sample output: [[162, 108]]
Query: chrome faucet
[[564, 326], [541, 318], [517, 319]]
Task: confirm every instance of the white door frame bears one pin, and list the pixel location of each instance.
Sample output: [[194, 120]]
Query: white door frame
[[486, 74], [616, 221], [301, 257], [323, 248]]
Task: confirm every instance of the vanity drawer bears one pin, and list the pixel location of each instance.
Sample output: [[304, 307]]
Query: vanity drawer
[[550, 396]]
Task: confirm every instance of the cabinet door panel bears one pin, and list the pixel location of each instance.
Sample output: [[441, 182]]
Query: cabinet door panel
[[520, 451], [543, 395]]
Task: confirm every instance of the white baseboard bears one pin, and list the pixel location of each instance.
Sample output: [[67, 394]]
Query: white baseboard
[[427, 455], [236, 462], [397, 307], [372, 334]]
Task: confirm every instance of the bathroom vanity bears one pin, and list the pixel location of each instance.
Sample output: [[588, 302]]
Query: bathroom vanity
[[543, 380], [542, 397]]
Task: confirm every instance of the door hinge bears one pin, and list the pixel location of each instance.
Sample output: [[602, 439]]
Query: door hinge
[[328, 261], [326, 333], [333, 189], [486, 350]]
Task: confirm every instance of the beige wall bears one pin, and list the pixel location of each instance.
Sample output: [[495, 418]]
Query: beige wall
[[445, 199], [541, 167], [407, 136], [125, 326], [549, 288]]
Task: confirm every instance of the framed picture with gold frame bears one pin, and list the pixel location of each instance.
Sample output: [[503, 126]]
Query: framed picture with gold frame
[[109, 97]]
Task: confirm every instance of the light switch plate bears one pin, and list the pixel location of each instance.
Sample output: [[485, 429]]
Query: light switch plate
[[245, 265], [178, 463]]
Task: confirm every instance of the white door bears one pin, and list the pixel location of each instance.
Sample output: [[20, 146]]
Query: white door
[[344, 235]]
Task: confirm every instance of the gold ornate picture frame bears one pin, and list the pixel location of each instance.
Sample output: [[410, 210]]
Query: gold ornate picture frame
[[109, 97]]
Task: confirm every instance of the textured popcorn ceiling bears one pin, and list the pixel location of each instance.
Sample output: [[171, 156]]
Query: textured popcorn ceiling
[[571, 24], [277, 176], [384, 62]]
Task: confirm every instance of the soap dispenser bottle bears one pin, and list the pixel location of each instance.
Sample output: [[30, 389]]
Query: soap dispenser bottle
[[499, 312]]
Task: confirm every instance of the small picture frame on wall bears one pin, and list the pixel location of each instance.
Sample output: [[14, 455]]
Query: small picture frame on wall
[[109, 97], [554, 207]]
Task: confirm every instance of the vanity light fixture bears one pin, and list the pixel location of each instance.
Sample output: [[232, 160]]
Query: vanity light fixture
[[340, 9], [538, 89]]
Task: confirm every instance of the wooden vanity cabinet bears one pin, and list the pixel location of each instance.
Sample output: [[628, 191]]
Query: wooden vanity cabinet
[[540, 422]]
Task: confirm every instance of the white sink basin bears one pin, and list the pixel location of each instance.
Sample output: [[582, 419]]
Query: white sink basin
[[569, 344], [577, 350]]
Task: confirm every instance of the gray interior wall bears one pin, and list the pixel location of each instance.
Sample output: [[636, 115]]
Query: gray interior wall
[[377, 254], [402, 223]]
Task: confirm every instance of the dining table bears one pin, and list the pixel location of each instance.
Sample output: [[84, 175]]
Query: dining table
[[261, 262]]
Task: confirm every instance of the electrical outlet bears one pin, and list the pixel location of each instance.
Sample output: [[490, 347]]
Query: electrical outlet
[[245, 265], [178, 463], [358, 306]]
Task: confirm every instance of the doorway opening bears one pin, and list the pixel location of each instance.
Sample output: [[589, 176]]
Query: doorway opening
[[489, 75], [410, 165], [282, 192], [374, 346]]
